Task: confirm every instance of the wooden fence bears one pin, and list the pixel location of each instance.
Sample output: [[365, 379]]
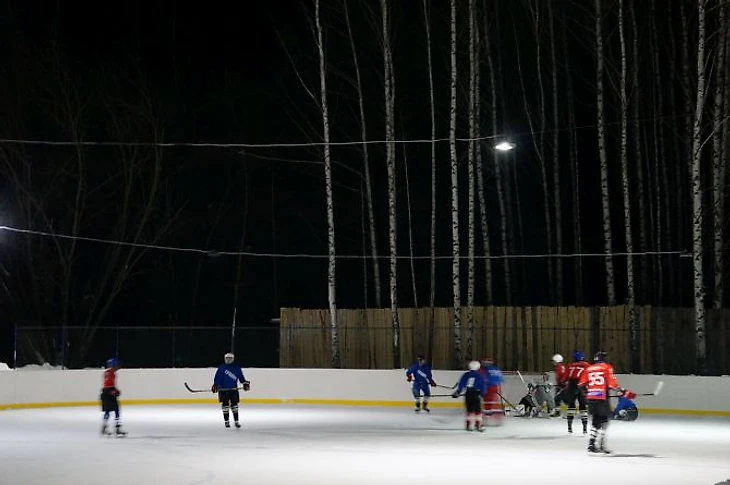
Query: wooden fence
[[519, 338]]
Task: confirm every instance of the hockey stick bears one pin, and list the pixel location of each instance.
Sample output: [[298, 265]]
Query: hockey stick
[[208, 390], [447, 387], [657, 390]]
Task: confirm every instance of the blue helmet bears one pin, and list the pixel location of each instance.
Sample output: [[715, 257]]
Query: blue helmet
[[578, 356], [113, 362], [600, 356]]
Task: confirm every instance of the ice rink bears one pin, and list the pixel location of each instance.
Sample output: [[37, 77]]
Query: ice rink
[[282, 444]]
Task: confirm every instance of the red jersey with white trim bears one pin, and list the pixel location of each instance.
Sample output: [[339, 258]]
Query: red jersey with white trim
[[598, 379], [110, 378], [561, 375], [575, 370]]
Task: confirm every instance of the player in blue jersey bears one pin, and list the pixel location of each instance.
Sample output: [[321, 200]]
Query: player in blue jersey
[[225, 383], [473, 386], [626, 409], [420, 375]]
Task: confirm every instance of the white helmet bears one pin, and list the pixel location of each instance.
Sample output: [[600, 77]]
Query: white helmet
[[557, 358], [228, 358], [475, 365]]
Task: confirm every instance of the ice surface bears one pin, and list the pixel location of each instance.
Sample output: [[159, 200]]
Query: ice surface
[[188, 445]]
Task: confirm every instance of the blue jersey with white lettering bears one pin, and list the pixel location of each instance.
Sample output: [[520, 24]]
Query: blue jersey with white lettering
[[471, 380], [492, 375], [421, 373], [228, 375]]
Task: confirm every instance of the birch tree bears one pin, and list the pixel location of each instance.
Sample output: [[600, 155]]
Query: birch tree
[[638, 158], [697, 214], [574, 170], [455, 274], [390, 161], [605, 194], [719, 161], [630, 290], [473, 66], [497, 176], [557, 205], [366, 162], [432, 104], [331, 254]]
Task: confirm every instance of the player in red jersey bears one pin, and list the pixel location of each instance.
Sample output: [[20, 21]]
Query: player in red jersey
[[572, 392], [596, 381], [109, 397], [561, 381]]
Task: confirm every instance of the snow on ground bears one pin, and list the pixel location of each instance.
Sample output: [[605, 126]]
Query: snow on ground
[[188, 445]]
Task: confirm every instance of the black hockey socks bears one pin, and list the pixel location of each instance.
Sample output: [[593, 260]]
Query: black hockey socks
[[235, 412], [226, 410], [571, 417], [584, 420]]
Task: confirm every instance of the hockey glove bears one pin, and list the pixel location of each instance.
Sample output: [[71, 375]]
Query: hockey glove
[[432, 382], [214, 389], [628, 394], [246, 386], [409, 378]]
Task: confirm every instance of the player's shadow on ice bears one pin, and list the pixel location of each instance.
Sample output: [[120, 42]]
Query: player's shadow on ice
[[534, 438], [633, 455]]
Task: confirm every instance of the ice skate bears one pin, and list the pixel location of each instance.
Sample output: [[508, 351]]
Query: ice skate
[[120, 432], [426, 408], [237, 424], [105, 431], [418, 407], [227, 424]]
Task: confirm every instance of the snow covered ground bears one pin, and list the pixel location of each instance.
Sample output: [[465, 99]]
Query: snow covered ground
[[188, 445]]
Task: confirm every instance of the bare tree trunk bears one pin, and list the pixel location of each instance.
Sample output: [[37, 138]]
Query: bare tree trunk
[[681, 168], [366, 164], [660, 169], [574, 172], [630, 290], [556, 162], [390, 158], [473, 66], [605, 193], [427, 24], [498, 182], [639, 159], [719, 163], [697, 214], [410, 226], [456, 283], [334, 337]]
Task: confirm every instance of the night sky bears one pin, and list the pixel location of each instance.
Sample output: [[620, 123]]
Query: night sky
[[198, 73]]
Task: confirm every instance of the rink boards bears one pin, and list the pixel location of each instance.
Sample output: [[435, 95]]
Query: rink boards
[[681, 395]]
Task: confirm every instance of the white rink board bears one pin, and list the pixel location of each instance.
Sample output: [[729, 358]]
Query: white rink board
[[19, 388]]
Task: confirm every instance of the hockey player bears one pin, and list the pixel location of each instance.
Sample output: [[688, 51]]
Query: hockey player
[[543, 396], [225, 383], [626, 409], [109, 398], [493, 379], [573, 394], [527, 407], [420, 374], [561, 377], [472, 384], [596, 381]]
